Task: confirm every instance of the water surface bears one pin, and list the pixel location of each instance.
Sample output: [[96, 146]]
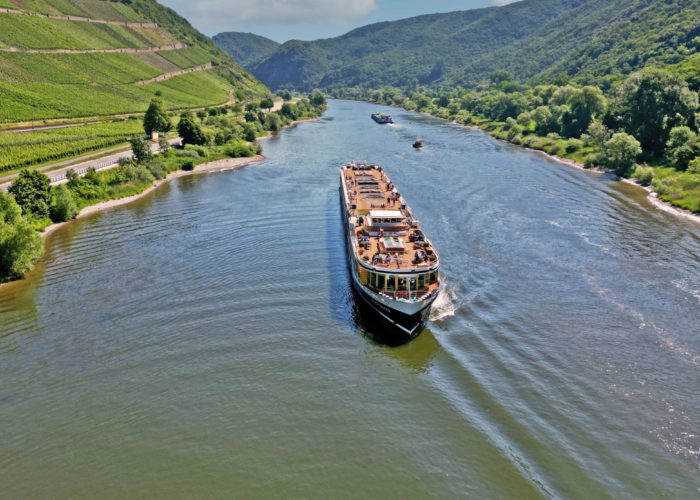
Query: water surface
[[201, 341]]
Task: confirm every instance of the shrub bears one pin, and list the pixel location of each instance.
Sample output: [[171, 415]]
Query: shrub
[[141, 149], [92, 177], [186, 153], [158, 169], [20, 244], [258, 148], [694, 166], [187, 165], [433, 258], [32, 192], [238, 149], [644, 174], [63, 206]]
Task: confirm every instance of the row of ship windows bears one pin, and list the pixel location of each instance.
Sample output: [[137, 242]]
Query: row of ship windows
[[392, 282]]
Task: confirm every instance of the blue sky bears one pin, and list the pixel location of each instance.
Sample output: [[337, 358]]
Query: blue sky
[[284, 20]]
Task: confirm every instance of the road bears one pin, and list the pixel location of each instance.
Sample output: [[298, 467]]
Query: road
[[58, 176]]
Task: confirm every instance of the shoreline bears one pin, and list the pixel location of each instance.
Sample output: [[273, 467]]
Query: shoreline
[[652, 196], [210, 167]]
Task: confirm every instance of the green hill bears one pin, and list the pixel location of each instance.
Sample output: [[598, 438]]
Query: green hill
[[592, 41], [245, 48], [74, 58]]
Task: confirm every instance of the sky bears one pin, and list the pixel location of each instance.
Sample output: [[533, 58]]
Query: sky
[[283, 20]]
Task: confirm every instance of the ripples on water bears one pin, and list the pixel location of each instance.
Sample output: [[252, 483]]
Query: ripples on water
[[203, 340]]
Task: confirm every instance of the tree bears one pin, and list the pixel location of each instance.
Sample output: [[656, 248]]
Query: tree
[[249, 132], [32, 192], [20, 244], [586, 104], [289, 110], [189, 130], [317, 99], [140, 148], [252, 106], [201, 114], [649, 104], [156, 119], [621, 151], [683, 145], [267, 103], [63, 207]]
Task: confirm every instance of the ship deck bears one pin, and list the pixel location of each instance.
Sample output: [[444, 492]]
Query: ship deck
[[388, 235]]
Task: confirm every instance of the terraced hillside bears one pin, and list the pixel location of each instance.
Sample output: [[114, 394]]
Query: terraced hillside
[[75, 58]]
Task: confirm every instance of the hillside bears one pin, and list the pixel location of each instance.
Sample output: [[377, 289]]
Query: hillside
[[73, 58], [592, 41], [245, 48]]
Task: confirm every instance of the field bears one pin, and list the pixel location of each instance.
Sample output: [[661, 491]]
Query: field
[[108, 11], [33, 32], [73, 69], [27, 148], [186, 58]]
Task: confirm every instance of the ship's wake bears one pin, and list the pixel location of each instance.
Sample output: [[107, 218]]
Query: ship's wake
[[446, 304]]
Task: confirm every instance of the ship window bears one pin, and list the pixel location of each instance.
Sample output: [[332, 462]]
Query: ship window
[[421, 280], [391, 282], [402, 284], [373, 280], [380, 280], [433, 277]]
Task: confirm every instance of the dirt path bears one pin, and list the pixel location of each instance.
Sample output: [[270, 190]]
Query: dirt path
[[123, 50], [165, 76], [78, 18]]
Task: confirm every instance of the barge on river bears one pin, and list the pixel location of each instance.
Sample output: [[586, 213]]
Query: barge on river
[[394, 266], [382, 118]]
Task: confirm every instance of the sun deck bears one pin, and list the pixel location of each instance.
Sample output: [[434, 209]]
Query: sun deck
[[387, 235]]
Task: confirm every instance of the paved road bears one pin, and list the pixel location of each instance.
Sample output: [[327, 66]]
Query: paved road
[[58, 176]]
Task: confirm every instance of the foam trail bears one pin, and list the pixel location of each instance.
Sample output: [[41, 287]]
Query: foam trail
[[446, 304]]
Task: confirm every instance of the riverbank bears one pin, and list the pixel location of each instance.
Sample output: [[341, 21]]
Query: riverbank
[[210, 167], [495, 130]]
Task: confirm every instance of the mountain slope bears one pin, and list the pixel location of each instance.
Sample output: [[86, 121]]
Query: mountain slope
[[592, 41], [418, 50], [245, 48], [72, 58]]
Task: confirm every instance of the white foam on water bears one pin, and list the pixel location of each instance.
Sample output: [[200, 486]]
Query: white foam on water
[[685, 286], [446, 304]]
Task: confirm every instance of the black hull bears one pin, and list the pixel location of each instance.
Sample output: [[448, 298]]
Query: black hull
[[387, 325]]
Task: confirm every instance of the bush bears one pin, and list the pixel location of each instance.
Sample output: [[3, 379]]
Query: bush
[[187, 165], [186, 153], [239, 149], [694, 166], [20, 244], [158, 169], [644, 174], [63, 206], [258, 148], [32, 192]]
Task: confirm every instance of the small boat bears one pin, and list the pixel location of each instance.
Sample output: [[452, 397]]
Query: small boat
[[418, 144], [393, 265], [382, 118]]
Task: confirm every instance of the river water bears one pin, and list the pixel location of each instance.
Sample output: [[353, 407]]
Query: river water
[[202, 341]]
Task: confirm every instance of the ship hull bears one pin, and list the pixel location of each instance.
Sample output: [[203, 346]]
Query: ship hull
[[401, 320]]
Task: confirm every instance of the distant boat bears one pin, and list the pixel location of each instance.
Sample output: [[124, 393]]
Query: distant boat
[[382, 118], [418, 144]]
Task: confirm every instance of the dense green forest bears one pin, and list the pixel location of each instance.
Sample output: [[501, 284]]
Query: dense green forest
[[246, 48], [584, 41]]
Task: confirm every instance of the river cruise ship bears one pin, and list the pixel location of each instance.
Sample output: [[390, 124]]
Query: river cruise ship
[[394, 266]]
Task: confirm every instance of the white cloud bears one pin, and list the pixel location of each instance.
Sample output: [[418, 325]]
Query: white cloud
[[212, 12], [504, 2]]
